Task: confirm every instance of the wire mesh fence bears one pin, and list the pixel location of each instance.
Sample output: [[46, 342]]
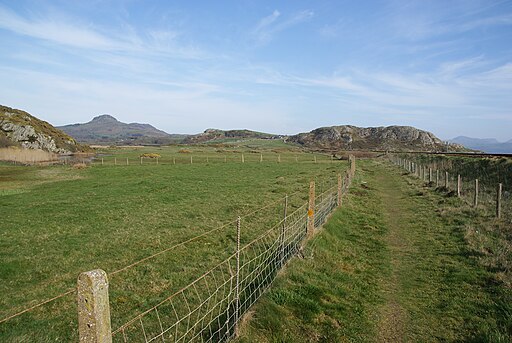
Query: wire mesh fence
[[210, 308]]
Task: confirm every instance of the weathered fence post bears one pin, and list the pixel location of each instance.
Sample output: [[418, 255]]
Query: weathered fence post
[[283, 231], [430, 175], [498, 200], [191, 160], [311, 209], [157, 160], [207, 159], [237, 286], [314, 157], [437, 178], [243, 158], [93, 307], [115, 161], [102, 161], [127, 163], [475, 202], [459, 185], [141, 160], [174, 160], [261, 158], [446, 178], [352, 165], [340, 188], [279, 158]]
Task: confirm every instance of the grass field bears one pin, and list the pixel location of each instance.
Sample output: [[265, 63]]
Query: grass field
[[59, 221], [394, 264]]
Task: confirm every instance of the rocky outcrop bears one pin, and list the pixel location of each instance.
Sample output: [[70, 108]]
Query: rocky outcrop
[[212, 135], [347, 137], [25, 130]]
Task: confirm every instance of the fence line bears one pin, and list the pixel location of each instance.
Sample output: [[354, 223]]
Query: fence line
[[492, 198], [210, 308], [259, 262]]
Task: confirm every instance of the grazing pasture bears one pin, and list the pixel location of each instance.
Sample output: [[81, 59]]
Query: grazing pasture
[[59, 221]]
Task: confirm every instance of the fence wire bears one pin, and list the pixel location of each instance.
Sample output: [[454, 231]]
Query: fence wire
[[210, 308], [483, 198]]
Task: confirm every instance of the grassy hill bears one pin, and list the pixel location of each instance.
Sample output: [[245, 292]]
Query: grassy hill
[[106, 129]]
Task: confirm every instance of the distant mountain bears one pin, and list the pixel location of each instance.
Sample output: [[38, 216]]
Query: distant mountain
[[214, 135], [105, 129], [395, 138], [19, 128], [489, 145]]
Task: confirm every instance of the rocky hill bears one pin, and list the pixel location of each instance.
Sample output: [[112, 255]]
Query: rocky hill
[[106, 129], [215, 135], [396, 138], [20, 128]]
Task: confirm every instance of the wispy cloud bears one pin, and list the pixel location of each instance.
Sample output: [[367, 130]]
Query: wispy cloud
[[66, 32], [270, 25]]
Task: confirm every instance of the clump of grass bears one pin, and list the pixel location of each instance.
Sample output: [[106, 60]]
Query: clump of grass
[[79, 166], [150, 155], [26, 156]]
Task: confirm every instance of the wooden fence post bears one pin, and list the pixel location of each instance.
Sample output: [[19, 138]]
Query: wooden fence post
[[498, 200], [191, 160], [311, 209], [174, 160], [430, 175], [475, 202], [279, 158], [437, 178], [141, 160], [340, 188], [157, 160], [93, 307], [459, 185], [261, 158], [314, 157], [446, 178], [207, 159], [127, 163], [115, 161], [102, 161]]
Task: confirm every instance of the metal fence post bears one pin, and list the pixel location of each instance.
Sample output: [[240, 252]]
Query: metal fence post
[[237, 286], [498, 200], [93, 307], [283, 230], [475, 203], [311, 209]]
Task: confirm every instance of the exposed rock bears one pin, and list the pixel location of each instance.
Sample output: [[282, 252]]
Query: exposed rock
[[27, 131], [347, 137]]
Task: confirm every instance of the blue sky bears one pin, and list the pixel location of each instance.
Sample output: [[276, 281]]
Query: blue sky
[[273, 66]]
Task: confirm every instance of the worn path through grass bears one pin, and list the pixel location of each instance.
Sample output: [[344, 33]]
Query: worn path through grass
[[391, 265]]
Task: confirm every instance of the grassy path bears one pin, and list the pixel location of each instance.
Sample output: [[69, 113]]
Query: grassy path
[[392, 265]]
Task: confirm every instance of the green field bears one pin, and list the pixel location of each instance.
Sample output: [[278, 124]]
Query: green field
[[397, 263], [59, 221]]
